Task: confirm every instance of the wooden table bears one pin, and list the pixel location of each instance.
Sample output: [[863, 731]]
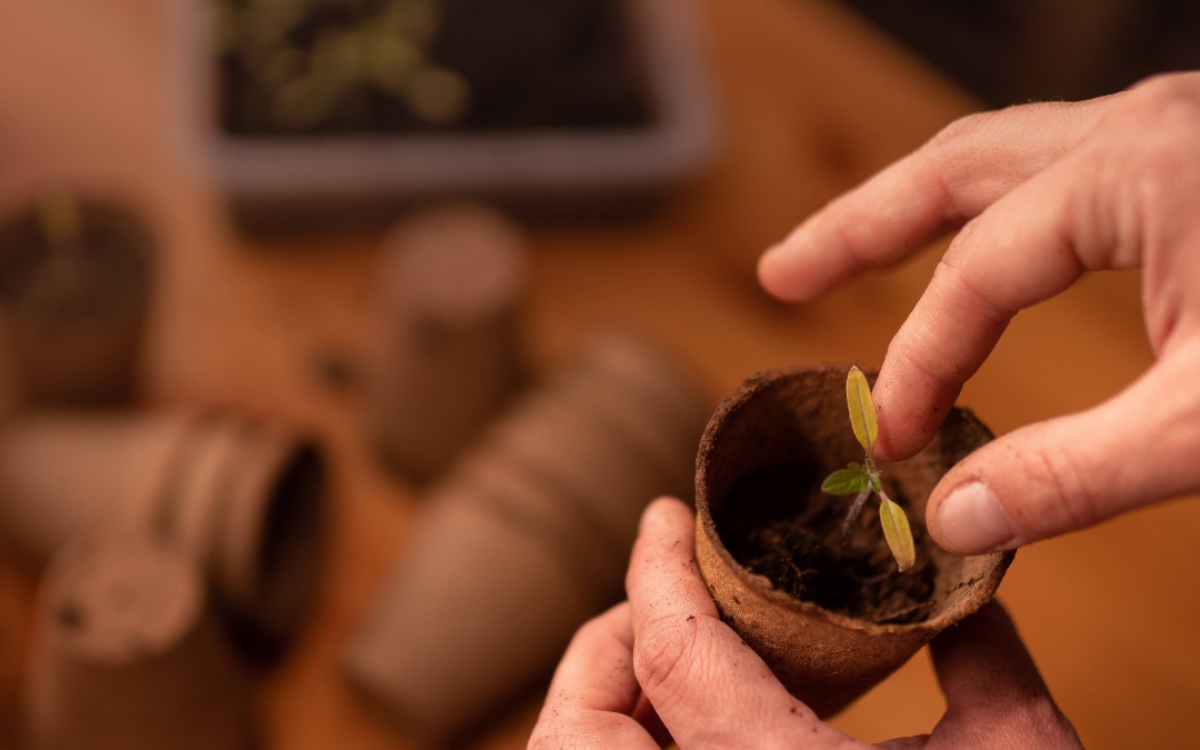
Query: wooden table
[[813, 102]]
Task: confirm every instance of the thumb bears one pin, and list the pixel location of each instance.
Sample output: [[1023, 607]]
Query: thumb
[[1076, 471]]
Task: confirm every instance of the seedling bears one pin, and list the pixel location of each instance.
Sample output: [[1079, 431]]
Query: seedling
[[862, 479]]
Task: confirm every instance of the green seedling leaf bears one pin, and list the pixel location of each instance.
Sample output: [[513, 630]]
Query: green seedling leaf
[[898, 534], [848, 481], [862, 410], [875, 481]]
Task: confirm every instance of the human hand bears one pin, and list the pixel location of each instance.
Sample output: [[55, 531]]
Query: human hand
[[664, 666], [1042, 192]]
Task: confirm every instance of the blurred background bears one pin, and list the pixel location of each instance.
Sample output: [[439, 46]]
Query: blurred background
[[1014, 51], [240, 208]]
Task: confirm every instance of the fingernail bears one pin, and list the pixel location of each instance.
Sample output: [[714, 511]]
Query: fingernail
[[971, 520]]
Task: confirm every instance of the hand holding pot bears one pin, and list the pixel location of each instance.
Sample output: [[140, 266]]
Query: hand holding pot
[[1042, 193], [663, 666]]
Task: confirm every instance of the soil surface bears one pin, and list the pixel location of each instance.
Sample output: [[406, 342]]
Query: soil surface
[[786, 529]]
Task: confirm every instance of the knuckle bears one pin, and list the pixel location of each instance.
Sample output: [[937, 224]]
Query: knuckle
[[958, 130], [1043, 724], [547, 735], [1067, 500], [942, 158], [1166, 88], [952, 157], [662, 655], [540, 739], [972, 292], [1163, 112], [573, 730], [1141, 154]]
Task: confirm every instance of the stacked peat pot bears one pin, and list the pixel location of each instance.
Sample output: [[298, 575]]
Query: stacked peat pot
[[242, 499], [527, 537], [196, 501], [75, 281], [237, 507], [129, 656]]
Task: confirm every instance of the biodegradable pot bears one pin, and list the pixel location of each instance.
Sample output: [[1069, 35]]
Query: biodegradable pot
[[526, 538], [768, 447], [73, 304], [242, 498], [126, 656], [447, 354]]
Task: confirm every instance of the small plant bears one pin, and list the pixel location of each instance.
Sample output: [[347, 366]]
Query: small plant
[[862, 479]]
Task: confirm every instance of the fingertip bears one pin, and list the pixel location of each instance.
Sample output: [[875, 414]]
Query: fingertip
[[911, 403], [774, 273], [663, 510], [665, 533], [890, 448], [896, 445]]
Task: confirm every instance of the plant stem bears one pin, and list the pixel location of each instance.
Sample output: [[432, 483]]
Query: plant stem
[[855, 508]]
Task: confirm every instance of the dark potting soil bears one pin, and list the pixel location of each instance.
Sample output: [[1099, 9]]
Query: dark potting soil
[[104, 274], [779, 524], [526, 65]]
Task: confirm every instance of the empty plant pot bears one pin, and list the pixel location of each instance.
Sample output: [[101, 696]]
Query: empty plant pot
[[69, 476], [126, 656], [248, 502], [829, 613], [75, 280], [447, 353], [526, 538], [242, 498]]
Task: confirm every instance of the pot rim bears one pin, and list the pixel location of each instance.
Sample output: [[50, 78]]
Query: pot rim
[[760, 584]]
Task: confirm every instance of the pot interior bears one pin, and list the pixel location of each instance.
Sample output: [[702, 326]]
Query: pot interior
[[790, 428]]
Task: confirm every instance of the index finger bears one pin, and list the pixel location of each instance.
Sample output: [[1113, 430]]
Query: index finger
[[708, 687], [955, 176], [593, 696], [992, 685]]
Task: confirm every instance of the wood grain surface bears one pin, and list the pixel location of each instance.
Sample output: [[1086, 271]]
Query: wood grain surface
[[812, 102]]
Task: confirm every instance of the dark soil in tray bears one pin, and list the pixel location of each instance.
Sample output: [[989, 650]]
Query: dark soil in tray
[[779, 524], [350, 66]]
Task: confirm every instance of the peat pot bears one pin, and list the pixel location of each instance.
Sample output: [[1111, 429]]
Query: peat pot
[[446, 358], [127, 656], [75, 282], [526, 538], [826, 609], [243, 498]]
